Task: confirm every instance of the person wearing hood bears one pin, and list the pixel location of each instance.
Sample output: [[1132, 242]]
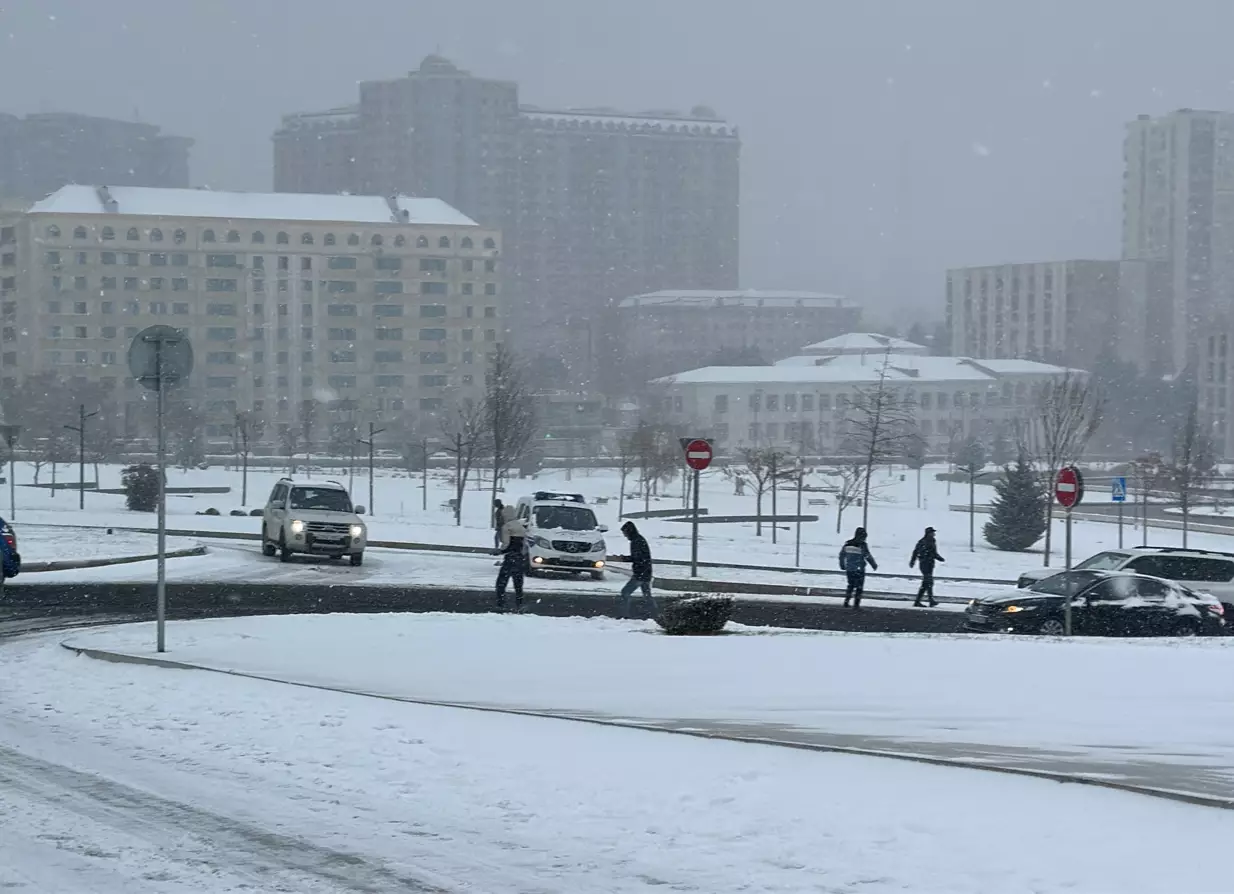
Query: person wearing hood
[[511, 547], [854, 556], [641, 571], [925, 554]]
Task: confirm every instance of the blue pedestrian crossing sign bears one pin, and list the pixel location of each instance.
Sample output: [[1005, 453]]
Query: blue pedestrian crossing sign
[[1118, 490]]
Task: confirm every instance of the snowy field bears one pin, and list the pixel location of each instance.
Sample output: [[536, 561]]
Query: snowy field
[[895, 522], [131, 779], [56, 544], [1087, 699]]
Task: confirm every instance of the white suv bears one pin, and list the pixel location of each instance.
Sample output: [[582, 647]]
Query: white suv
[[1197, 569], [314, 517], [562, 534]]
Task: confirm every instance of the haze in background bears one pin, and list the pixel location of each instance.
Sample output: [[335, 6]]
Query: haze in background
[[883, 141]]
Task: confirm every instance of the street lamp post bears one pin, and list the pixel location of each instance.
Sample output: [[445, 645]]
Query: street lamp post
[[80, 428], [373, 432]]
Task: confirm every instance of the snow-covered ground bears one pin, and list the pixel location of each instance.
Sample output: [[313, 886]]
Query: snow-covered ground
[[184, 781], [895, 522], [56, 544]]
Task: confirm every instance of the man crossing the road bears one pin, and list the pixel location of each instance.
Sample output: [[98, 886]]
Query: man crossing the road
[[854, 556], [925, 554]]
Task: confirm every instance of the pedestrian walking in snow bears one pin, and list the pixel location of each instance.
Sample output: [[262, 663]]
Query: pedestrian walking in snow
[[641, 571], [511, 546], [854, 556], [925, 554], [498, 521]]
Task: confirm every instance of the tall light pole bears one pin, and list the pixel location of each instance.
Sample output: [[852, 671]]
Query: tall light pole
[[373, 432], [80, 428]]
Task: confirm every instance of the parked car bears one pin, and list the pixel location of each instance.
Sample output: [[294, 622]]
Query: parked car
[[1199, 569], [1103, 603], [562, 534], [10, 558], [314, 517]]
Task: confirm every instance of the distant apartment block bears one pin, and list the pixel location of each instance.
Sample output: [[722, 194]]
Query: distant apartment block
[[594, 204], [382, 308], [668, 332], [41, 153]]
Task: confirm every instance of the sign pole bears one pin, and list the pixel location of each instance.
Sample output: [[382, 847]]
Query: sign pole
[[694, 532], [1067, 567], [162, 471], [800, 482], [11, 433], [1120, 525]]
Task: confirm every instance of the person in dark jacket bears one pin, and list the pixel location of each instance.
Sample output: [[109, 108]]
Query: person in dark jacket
[[854, 556], [498, 521], [641, 571], [513, 538], [925, 554]]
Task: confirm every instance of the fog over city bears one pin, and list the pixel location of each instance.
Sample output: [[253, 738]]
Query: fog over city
[[882, 142]]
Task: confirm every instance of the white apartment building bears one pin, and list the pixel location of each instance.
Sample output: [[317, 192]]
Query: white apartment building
[[380, 307], [800, 404]]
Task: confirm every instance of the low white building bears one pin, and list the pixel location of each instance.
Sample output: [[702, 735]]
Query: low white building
[[800, 403]]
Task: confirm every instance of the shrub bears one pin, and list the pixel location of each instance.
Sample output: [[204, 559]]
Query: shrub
[[256, 513], [695, 615], [141, 488], [240, 512], [211, 511]]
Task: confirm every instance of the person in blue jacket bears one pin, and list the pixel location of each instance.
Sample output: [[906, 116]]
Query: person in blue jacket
[[854, 556]]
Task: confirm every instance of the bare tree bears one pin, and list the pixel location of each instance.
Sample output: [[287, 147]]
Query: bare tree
[[246, 430], [36, 406], [103, 441], [185, 428], [850, 481], [307, 419], [971, 460], [464, 435], [627, 453], [915, 447], [1191, 463], [880, 418], [289, 440], [1067, 411], [766, 467], [509, 412]]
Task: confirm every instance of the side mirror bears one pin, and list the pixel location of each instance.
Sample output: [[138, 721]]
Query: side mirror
[[360, 510], [603, 529]]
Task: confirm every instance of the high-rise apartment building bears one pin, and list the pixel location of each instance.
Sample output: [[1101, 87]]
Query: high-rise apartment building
[[380, 308], [594, 205], [40, 153]]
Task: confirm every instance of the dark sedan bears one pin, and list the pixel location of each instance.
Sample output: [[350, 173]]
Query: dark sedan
[[1103, 603]]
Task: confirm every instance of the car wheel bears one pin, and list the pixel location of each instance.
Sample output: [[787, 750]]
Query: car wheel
[[357, 559], [1187, 628], [1052, 627], [267, 548], [597, 575], [284, 552]]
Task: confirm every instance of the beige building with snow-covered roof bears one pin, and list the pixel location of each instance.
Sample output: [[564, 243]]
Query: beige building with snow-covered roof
[[360, 307], [800, 403]]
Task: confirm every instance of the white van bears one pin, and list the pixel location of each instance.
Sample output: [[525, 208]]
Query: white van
[[562, 533]]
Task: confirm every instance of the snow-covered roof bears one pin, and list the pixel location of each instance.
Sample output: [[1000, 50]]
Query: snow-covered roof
[[705, 298], [856, 368], [156, 202], [341, 116], [595, 119], [864, 342]]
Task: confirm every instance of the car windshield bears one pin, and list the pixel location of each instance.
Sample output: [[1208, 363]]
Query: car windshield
[[326, 499], [566, 518], [1064, 582], [1108, 561]]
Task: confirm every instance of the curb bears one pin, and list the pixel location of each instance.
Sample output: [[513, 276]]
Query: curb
[[652, 726], [69, 564]]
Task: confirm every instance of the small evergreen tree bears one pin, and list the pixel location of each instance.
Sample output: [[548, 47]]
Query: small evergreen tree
[[141, 488], [1017, 515]]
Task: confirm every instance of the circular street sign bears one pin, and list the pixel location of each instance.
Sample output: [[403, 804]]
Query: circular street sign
[[698, 454], [160, 353], [1069, 488]]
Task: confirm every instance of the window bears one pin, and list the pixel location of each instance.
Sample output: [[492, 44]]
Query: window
[[469, 265], [10, 333], [179, 284], [329, 240], [400, 241], [79, 232], [220, 381], [109, 282], [341, 381], [179, 236], [384, 334], [490, 242], [790, 403], [468, 356], [222, 261], [258, 237], [132, 307], [83, 257], [180, 309], [807, 403], [432, 357], [925, 400], [468, 242], [132, 235], [108, 258], [233, 236], [179, 260], [469, 289], [53, 307], [443, 242], [490, 288], [306, 238], [81, 356], [208, 236], [338, 262], [432, 288], [52, 257], [389, 263], [469, 335], [388, 356], [435, 381], [220, 310], [158, 308], [388, 287], [433, 265], [342, 335], [221, 285], [282, 239], [79, 283], [282, 285], [306, 333], [284, 262], [55, 331], [353, 239], [942, 400], [432, 335], [422, 242], [342, 356], [306, 263], [430, 404], [107, 307], [108, 331], [340, 286], [53, 232], [221, 333], [79, 308], [388, 381], [490, 335], [721, 403], [108, 234], [490, 313], [341, 310], [432, 310], [158, 260], [156, 283], [387, 310], [376, 240], [490, 266]]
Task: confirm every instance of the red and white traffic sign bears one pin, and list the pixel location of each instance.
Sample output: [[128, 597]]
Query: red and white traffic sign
[[698, 454], [1069, 487]]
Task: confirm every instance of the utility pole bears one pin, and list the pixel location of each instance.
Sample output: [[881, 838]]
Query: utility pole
[[775, 474], [424, 486], [373, 432], [80, 428], [458, 478]]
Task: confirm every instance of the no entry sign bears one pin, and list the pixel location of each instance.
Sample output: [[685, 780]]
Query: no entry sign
[[1069, 487], [698, 454]]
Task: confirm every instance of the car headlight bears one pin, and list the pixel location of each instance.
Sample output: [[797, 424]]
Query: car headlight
[[357, 531], [542, 542], [598, 547], [297, 527], [1012, 609]]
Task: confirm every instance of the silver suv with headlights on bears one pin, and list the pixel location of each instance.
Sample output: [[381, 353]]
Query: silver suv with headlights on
[[315, 518]]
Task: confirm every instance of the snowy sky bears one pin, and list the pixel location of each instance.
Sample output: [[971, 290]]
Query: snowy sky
[[884, 140]]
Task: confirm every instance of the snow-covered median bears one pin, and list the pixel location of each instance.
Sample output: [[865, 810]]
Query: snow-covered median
[[55, 544]]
